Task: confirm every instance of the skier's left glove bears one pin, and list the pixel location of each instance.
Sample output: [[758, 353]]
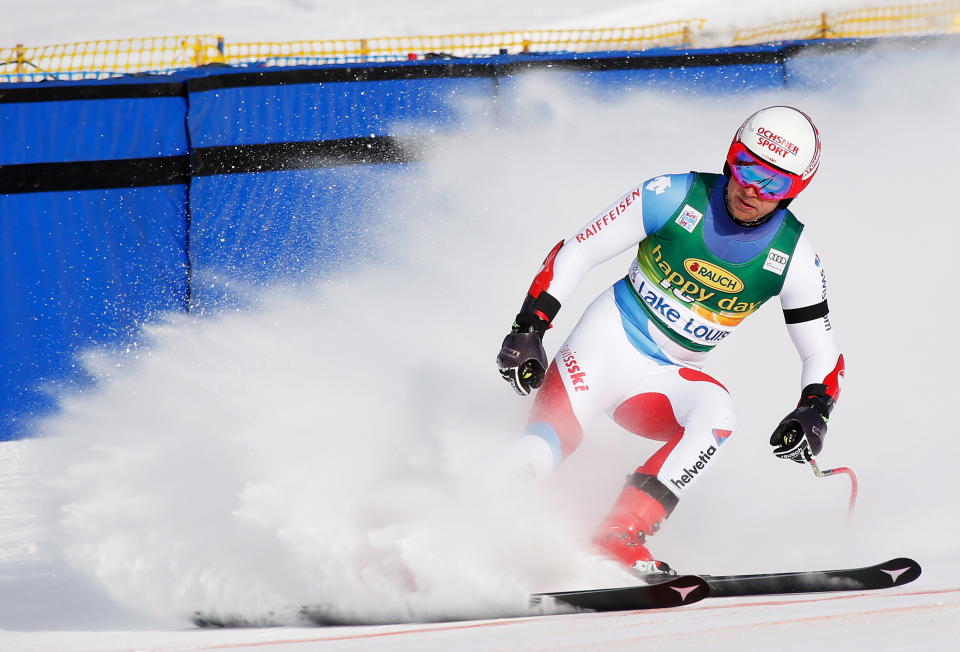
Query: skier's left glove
[[800, 434]]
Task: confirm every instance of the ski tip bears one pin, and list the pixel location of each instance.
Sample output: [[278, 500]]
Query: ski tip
[[901, 570]]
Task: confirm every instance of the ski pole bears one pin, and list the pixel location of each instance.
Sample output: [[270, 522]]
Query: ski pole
[[854, 483]]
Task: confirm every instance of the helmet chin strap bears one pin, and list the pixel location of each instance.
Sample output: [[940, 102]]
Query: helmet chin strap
[[754, 224]]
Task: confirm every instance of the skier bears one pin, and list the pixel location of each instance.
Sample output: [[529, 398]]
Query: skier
[[712, 249]]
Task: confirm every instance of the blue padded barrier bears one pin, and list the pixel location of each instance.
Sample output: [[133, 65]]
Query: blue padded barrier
[[85, 263], [81, 268], [279, 226], [73, 130], [257, 216], [712, 71], [303, 110]]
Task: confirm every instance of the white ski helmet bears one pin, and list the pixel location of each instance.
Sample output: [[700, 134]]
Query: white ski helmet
[[786, 139]]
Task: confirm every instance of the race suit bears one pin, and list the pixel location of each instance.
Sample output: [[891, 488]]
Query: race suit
[[636, 352]]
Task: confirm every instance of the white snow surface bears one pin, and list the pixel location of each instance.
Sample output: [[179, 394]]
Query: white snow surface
[[310, 450]]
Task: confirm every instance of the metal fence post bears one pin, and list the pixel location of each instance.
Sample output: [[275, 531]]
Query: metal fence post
[[824, 26]]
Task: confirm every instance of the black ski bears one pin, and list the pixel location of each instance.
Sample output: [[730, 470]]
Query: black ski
[[230, 621], [687, 589], [305, 616], [671, 592], [895, 572]]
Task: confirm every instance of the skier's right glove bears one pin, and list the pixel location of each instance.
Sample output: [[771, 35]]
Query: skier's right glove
[[800, 434], [522, 360]]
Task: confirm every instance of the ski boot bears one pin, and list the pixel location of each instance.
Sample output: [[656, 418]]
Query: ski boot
[[636, 514]]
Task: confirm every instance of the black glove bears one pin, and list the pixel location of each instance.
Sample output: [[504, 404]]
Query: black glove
[[522, 360], [801, 433]]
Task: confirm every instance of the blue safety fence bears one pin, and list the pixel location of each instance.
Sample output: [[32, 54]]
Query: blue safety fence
[[87, 255], [81, 268], [252, 228], [124, 198], [288, 162]]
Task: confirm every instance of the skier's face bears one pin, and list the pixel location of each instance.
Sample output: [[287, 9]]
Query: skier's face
[[745, 205]]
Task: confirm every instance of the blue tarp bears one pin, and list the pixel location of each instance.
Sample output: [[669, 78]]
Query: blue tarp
[[86, 130], [248, 229], [260, 226], [325, 111], [83, 267]]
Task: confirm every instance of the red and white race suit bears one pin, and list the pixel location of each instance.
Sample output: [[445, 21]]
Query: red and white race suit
[[644, 379]]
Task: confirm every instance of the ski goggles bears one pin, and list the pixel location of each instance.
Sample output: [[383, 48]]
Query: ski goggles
[[768, 181]]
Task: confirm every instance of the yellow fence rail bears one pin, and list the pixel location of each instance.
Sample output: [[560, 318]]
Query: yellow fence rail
[[676, 33], [173, 52], [118, 56], [918, 19], [115, 57]]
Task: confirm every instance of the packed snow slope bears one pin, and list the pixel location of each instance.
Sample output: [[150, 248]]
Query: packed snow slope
[[327, 445]]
